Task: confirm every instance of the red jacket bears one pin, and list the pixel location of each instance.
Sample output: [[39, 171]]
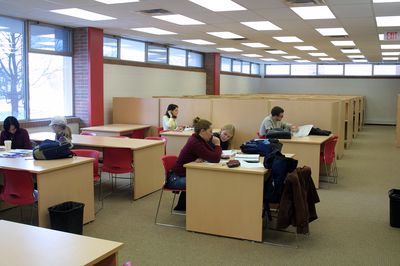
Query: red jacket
[[196, 147], [20, 140]]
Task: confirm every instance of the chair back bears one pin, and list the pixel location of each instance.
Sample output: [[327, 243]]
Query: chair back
[[138, 133], [18, 187], [329, 150], [168, 162], [88, 133], [259, 136], [117, 160], [90, 154]]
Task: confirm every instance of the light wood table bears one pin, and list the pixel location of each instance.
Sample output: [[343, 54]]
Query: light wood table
[[58, 181], [307, 150], [225, 201], [22, 245], [148, 168], [114, 129]]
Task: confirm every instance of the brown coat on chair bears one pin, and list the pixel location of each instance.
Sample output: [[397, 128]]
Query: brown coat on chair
[[297, 206]]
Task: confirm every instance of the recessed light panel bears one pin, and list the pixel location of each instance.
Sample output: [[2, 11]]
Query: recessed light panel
[[388, 21], [199, 42], [390, 53], [255, 45], [153, 30], [82, 14], [390, 46], [276, 52], [306, 48], [219, 5], [261, 25], [359, 56], [318, 54], [351, 51], [229, 49], [343, 43], [360, 60], [179, 19], [332, 31], [291, 57], [302, 61], [288, 39], [269, 59], [385, 1], [314, 12], [252, 55], [111, 2], [327, 59], [390, 58], [225, 35]]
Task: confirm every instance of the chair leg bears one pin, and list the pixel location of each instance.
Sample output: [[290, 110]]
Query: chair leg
[[158, 207], [173, 201]]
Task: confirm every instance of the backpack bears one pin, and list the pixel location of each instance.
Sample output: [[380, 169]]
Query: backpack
[[50, 150], [261, 146], [278, 133]]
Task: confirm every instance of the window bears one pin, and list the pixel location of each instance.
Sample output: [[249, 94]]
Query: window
[[177, 57], [110, 47], [246, 67], [195, 59], [304, 70], [386, 70], [12, 76], [358, 69], [255, 69], [226, 64], [157, 54], [236, 65], [333, 69], [50, 75], [277, 69], [132, 50]]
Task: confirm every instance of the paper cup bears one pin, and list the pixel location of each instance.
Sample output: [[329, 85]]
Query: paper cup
[[7, 144]]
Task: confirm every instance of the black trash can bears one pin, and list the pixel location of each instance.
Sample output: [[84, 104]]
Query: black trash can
[[67, 217], [394, 196]]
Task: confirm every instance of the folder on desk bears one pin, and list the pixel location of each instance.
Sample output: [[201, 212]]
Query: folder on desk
[[303, 131], [248, 157]]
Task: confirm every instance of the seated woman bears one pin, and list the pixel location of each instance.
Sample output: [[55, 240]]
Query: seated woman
[[63, 133], [169, 119], [19, 137], [196, 149], [225, 136]]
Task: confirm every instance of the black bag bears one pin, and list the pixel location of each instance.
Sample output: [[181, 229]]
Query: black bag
[[261, 146], [50, 150], [278, 133], [319, 132]]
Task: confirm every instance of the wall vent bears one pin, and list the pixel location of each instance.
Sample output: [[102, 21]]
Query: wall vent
[[155, 11], [305, 2]]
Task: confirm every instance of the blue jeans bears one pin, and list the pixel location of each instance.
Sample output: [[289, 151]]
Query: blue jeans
[[175, 181]]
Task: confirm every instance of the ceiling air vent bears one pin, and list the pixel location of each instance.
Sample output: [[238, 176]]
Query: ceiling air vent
[[305, 2], [155, 11]]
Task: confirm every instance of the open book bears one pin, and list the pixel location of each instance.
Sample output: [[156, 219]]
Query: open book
[[303, 131], [247, 157]]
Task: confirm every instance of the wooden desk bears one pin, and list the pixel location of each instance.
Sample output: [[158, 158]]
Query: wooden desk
[[22, 245], [307, 150], [225, 201], [58, 181], [149, 171], [114, 129]]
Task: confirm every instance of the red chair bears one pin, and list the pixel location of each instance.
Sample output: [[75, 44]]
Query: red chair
[[168, 162], [88, 133], [96, 173], [259, 136], [138, 133], [328, 157], [160, 138], [18, 189]]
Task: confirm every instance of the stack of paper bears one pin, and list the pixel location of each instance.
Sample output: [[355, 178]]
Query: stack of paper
[[303, 131], [229, 152], [248, 157]]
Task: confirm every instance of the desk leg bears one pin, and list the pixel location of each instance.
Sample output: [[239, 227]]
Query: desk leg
[[306, 154], [73, 183], [149, 171]]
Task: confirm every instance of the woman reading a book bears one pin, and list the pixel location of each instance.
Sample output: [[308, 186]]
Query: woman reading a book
[[12, 131]]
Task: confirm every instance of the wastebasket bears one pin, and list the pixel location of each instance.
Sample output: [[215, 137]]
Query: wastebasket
[[394, 196], [67, 217]]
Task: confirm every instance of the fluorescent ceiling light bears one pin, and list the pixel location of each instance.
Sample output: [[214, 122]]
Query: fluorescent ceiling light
[[230, 49], [153, 30], [288, 39], [318, 54], [390, 58], [390, 53], [291, 57], [3, 28], [252, 55], [390, 46], [343, 43], [225, 35], [276, 52], [111, 2], [351, 51], [302, 61], [332, 31], [179, 19], [360, 60], [385, 1], [388, 21], [219, 5], [306, 48], [356, 56], [269, 59], [313, 12], [261, 25], [327, 59], [255, 44], [199, 42], [381, 37], [81, 13]]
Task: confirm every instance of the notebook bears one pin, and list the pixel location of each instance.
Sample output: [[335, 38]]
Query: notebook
[[303, 131]]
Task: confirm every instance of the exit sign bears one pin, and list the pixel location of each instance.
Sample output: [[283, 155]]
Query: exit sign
[[392, 35]]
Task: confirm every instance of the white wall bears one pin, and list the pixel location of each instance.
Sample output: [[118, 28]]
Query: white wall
[[230, 84], [145, 82], [381, 93]]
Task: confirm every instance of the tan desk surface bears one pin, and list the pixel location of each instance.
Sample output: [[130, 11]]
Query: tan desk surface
[[306, 140], [40, 166], [101, 141], [222, 167], [22, 245], [115, 128]]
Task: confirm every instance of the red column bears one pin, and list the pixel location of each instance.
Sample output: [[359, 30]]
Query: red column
[[212, 64]]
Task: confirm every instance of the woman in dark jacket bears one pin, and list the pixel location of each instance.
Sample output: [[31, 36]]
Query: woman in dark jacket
[[19, 137]]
